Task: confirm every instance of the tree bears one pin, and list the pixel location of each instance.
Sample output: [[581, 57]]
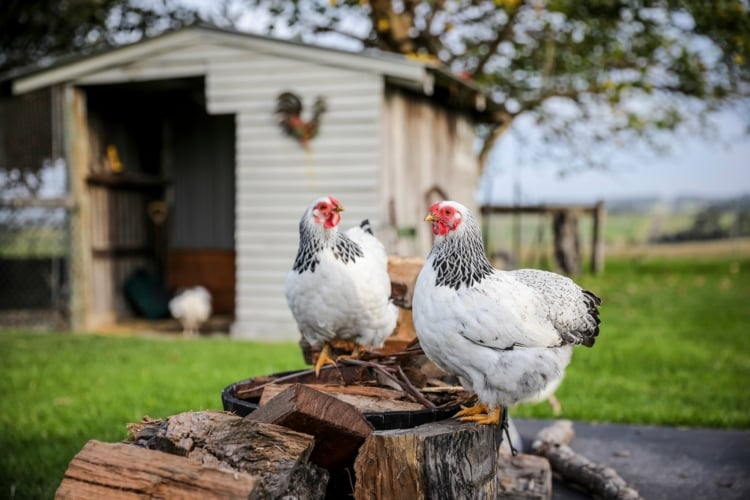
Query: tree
[[597, 71], [36, 31]]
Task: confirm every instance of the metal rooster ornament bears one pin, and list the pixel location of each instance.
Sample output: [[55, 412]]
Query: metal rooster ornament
[[289, 117]]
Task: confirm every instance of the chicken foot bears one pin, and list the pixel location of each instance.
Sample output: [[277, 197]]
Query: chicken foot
[[325, 358], [483, 415]]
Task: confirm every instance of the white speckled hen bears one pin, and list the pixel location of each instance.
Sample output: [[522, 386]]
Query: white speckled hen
[[339, 286], [507, 334]]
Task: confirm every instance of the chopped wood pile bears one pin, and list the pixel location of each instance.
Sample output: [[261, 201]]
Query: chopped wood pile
[[376, 427]]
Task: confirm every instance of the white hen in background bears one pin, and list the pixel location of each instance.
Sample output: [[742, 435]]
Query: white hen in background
[[191, 307], [508, 335], [339, 286]]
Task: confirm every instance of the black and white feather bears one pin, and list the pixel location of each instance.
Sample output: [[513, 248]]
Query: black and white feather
[[338, 287], [507, 334]]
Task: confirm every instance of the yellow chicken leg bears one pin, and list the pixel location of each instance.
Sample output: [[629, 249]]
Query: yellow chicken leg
[[481, 414], [477, 409], [324, 358]]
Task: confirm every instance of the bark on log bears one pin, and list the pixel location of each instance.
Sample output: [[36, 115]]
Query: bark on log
[[275, 454], [446, 459], [599, 480], [122, 471], [339, 428]]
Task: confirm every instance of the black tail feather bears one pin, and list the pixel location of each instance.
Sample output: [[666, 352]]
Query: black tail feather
[[366, 227]]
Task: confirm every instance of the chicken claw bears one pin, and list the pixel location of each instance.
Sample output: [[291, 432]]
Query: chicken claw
[[477, 409], [481, 414], [324, 358]]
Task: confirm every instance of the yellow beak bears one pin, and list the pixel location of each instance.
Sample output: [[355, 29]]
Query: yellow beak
[[338, 208], [430, 218]]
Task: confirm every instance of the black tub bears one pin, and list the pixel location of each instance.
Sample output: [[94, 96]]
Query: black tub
[[381, 421]]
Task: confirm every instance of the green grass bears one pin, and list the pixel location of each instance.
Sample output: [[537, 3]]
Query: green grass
[[60, 390], [674, 349]]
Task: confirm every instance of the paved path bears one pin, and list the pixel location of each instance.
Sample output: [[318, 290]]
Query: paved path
[[662, 463]]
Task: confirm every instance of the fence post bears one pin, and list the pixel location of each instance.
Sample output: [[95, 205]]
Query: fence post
[[597, 249]]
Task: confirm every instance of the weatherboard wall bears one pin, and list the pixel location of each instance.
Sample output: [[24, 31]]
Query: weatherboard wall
[[276, 177]]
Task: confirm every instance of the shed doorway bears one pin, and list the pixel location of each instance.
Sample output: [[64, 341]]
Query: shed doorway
[[161, 186]]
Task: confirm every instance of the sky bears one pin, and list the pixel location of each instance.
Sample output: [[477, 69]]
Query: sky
[[692, 165], [718, 167]]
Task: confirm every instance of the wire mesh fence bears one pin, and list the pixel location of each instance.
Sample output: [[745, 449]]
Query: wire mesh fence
[[34, 263], [34, 212]]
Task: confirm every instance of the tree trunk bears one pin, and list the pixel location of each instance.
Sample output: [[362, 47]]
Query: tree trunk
[[567, 242]]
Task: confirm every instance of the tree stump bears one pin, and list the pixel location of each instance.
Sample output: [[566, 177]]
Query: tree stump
[[447, 459]]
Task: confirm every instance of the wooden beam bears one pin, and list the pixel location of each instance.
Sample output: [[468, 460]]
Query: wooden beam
[[537, 209]]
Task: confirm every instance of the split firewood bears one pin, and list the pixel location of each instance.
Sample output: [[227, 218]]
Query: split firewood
[[121, 471], [600, 480], [446, 459], [339, 428], [278, 456]]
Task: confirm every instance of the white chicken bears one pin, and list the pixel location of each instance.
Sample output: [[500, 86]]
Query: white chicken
[[339, 286], [191, 307], [508, 335]]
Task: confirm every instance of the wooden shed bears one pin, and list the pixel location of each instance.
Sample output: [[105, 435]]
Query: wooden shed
[[177, 164]]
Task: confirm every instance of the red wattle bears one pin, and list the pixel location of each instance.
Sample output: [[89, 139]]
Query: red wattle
[[333, 220]]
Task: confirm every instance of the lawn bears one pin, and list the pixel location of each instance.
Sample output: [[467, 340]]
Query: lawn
[[60, 390], [674, 350]]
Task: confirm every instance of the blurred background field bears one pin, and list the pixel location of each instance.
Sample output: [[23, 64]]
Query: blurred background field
[[688, 227]]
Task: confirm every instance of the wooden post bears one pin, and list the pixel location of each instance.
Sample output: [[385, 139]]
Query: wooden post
[[597, 249], [567, 244]]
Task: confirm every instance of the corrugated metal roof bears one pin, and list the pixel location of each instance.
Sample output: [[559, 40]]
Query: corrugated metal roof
[[399, 70]]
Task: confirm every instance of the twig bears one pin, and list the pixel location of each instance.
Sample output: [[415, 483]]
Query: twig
[[446, 389], [409, 389], [409, 351], [242, 392]]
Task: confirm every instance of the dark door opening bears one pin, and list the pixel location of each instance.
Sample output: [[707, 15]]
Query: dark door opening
[[161, 186]]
